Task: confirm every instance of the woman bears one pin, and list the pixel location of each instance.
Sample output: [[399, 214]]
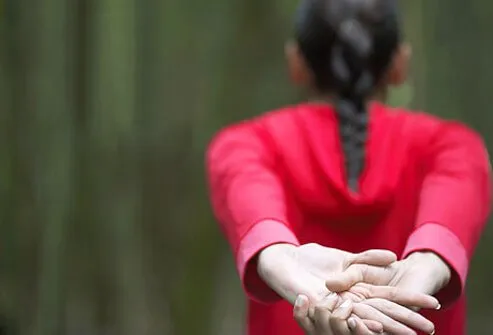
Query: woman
[[302, 191]]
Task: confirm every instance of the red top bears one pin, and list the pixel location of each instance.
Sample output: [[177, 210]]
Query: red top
[[280, 178]]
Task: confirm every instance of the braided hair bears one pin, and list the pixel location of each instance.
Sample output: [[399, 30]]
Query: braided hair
[[348, 45]]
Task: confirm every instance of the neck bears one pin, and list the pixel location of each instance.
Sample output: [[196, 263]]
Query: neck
[[380, 95]]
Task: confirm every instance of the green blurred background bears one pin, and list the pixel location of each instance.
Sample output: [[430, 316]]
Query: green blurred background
[[106, 108]]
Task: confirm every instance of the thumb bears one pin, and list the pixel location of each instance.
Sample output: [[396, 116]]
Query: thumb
[[372, 257], [356, 274]]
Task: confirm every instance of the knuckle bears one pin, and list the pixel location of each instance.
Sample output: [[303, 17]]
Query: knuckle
[[360, 309], [355, 295], [356, 273], [318, 311], [362, 291], [393, 293], [364, 271], [381, 304], [423, 323], [413, 316], [385, 306], [416, 317]]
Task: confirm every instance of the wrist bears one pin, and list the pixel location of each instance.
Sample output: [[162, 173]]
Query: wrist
[[432, 264], [272, 257]]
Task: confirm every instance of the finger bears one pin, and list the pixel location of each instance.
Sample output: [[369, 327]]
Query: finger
[[321, 320], [373, 257], [300, 314], [373, 326], [390, 325], [355, 274], [364, 327], [402, 314], [402, 297], [339, 319], [344, 281], [323, 312]]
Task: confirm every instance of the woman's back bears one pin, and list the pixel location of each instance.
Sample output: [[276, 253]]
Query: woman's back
[[398, 204]]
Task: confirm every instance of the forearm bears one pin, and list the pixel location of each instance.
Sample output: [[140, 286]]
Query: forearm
[[273, 264], [454, 203], [248, 199]]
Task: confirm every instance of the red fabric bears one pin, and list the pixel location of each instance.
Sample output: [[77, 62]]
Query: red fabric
[[442, 241], [263, 234], [280, 178]]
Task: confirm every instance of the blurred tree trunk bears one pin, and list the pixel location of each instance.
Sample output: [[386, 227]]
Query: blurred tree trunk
[[52, 154]]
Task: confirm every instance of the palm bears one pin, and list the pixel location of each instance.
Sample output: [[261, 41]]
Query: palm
[[303, 270], [321, 261], [316, 263], [423, 273]]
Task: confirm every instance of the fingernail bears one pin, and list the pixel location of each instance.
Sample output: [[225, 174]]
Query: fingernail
[[432, 333], [438, 307], [345, 304], [299, 301], [351, 322]]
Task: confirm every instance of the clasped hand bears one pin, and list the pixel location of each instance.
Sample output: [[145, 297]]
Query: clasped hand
[[375, 292]]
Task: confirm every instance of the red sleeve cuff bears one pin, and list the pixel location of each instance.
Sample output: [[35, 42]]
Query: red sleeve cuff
[[262, 235], [440, 240]]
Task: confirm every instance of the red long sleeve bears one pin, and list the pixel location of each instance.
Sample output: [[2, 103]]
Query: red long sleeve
[[454, 203], [248, 200]]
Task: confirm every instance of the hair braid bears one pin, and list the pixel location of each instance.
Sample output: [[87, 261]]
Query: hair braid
[[355, 84], [348, 45]]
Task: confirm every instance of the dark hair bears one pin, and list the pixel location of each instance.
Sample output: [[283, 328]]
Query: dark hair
[[348, 45]]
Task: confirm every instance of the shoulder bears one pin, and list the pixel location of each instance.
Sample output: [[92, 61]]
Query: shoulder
[[405, 119], [425, 132], [279, 125], [418, 124]]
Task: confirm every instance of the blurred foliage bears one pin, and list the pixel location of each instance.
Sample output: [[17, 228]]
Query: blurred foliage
[[107, 106]]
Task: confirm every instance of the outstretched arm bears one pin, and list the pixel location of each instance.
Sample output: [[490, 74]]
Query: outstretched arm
[[248, 199], [455, 202]]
